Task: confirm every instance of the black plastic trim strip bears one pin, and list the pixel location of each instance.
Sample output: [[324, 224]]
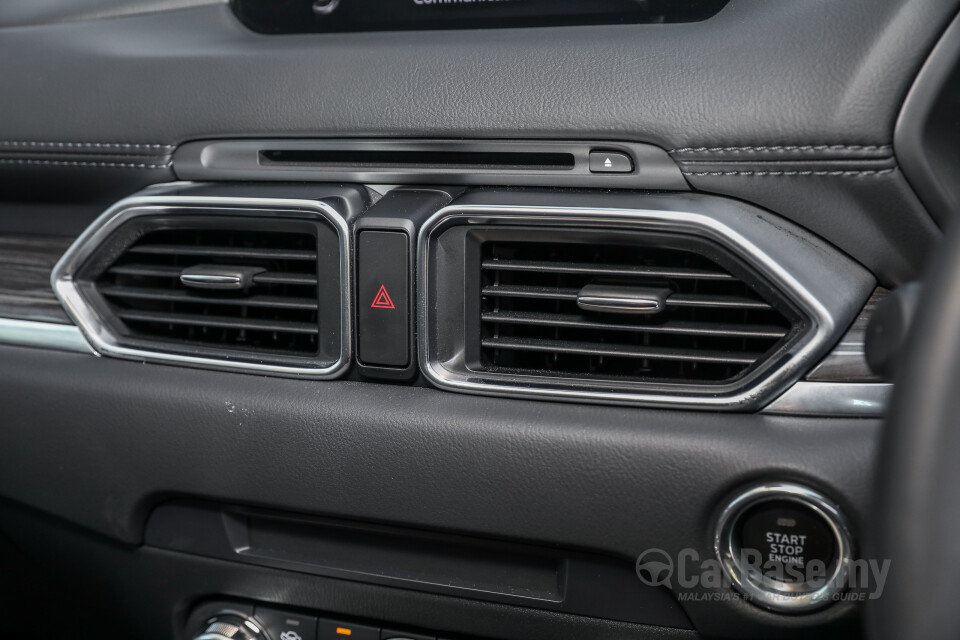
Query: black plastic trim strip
[[427, 162]]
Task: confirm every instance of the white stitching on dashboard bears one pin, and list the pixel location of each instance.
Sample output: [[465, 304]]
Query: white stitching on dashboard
[[87, 145], [778, 148], [871, 172], [78, 163]]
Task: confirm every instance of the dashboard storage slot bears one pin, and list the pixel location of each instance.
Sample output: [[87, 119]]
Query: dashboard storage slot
[[477, 568]]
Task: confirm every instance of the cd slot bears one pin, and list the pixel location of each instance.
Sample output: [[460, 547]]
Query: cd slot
[[460, 160], [329, 16]]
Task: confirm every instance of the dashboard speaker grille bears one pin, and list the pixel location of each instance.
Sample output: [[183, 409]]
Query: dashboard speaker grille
[[705, 325], [275, 310]]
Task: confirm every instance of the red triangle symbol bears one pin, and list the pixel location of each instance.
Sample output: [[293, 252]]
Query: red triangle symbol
[[383, 301]]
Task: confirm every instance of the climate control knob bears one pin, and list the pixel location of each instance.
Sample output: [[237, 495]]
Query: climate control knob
[[231, 626]]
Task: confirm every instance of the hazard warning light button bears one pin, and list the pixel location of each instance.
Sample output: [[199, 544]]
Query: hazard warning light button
[[383, 299]]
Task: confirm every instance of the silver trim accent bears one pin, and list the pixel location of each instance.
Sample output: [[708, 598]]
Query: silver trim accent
[[848, 361], [628, 300], [214, 276], [834, 400], [43, 335], [824, 320], [772, 594], [211, 282], [325, 7], [103, 341]]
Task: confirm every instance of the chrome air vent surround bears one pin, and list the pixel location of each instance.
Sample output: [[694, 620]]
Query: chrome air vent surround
[[794, 295], [249, 284]]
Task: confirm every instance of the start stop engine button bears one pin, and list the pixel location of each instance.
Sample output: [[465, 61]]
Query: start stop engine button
[[792, 543], [784, 546]]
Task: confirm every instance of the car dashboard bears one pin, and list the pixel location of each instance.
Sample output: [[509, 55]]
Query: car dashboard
[[492, 320]]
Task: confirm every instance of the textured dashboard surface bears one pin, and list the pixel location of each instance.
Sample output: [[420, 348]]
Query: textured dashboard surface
[[17, 13], [818, 80], [115, 438], [759, 73]]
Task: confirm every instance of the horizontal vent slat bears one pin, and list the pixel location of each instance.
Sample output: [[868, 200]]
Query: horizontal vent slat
[[620, 351], [715, 302], [285, 278], [146, 270], [535, 266], [548, 293], [218, 322], [572, 321], [224, 252], [675, 300], [168, 295], [164, 271]]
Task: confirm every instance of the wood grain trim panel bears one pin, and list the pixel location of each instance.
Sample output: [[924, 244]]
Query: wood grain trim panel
[[25, 265]]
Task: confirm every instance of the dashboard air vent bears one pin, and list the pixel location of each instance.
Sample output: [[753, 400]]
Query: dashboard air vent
[[267, 299], [633, 299], [644, 312], [246, 284]]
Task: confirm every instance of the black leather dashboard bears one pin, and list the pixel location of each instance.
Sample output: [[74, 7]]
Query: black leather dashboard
[[790, 106], [759, 73], [100, 103]]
